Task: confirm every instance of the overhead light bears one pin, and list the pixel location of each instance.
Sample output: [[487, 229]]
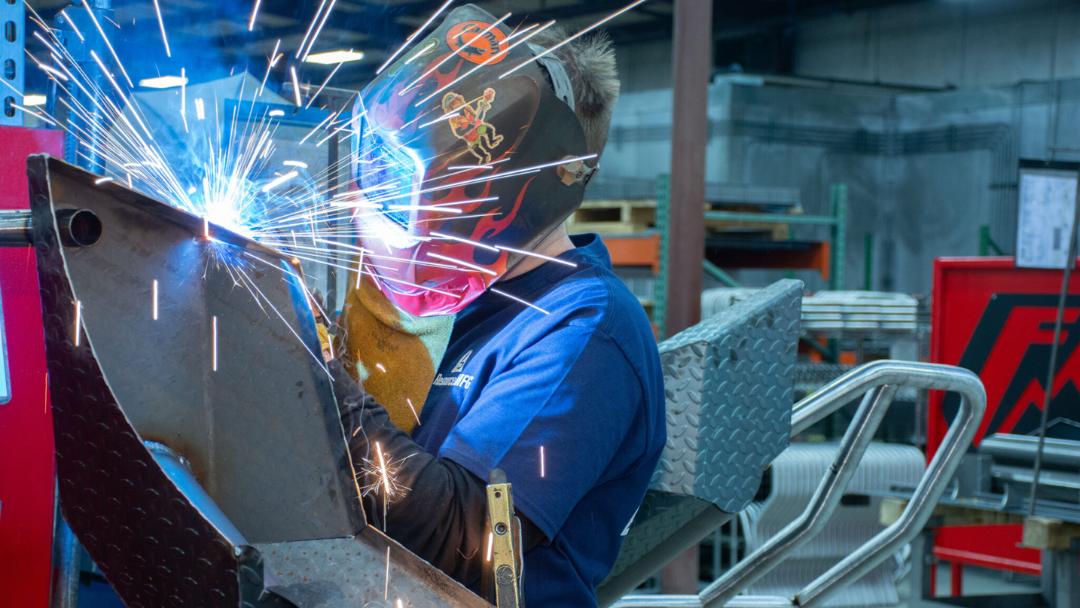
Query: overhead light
[[163, 82], [334, 57], [33, 99]]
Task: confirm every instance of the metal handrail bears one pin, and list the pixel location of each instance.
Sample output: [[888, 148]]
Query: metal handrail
[[878, 383]]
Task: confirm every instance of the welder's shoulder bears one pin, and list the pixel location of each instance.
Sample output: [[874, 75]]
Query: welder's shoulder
[[598, 299]]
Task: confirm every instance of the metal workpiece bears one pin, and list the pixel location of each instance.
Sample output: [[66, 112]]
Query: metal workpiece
[[821, 507], [792, 480], [14, 228], [847, 388], [1022, 449], [728, 388], [938, 473], [368, 570], [150, 337]]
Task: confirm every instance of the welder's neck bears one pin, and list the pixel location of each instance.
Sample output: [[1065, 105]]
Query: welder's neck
[[552, 245]]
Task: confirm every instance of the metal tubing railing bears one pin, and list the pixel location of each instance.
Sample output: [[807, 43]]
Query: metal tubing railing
[[878, 382], [821, 506]]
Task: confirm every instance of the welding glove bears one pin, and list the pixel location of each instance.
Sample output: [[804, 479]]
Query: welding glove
[[439, 510], [392, 352]]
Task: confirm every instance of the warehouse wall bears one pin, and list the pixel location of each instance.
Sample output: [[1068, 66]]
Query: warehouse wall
[[924, 169], [945, 43]]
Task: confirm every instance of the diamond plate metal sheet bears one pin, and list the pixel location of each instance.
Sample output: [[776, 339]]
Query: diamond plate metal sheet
[[729, 388], [728, 382], [153, 545]]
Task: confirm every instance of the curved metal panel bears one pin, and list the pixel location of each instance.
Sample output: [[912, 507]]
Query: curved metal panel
[[224, 375]]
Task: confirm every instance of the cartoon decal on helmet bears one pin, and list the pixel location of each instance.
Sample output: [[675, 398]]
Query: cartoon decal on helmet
[[462, 154], [467, 122]]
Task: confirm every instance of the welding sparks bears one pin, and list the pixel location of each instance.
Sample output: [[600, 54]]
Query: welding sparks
[[78, 321], [302, 53], [213, 343], [519, 300], [446, 258], [543, 472], [161, 26], [412, 37], [279, 180], [380, 367], [382, 469], [386, 588], [570, 39], [360, 268], [457, 53], [295, 85], [490, 546], [254, 14], [537, 255], [105, 39], [413, 410], [231, 182]]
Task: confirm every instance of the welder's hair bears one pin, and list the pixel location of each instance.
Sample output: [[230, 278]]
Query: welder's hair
[[590, 64]]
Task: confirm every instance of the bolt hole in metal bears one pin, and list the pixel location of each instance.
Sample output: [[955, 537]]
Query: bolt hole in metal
[[9, 106], [78, 227], [9, 31], [500, 528], [9, 69]]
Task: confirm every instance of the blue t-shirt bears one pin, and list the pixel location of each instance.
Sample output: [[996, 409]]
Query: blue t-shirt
[[580, 383]]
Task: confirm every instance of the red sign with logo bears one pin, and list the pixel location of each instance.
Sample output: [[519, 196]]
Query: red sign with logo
[[26, 436], [998, 321]]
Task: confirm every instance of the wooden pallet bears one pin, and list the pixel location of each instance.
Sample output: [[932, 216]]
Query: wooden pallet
[[769, 230], [613, 216], [638, 215]]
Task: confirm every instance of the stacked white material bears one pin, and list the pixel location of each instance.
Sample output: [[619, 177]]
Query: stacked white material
[[860, 311], [837, 311]]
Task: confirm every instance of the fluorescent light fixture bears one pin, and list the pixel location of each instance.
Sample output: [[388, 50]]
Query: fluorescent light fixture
[[163, 82], [334, 57], [33, 99]]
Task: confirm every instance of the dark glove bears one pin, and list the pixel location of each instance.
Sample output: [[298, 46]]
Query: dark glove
[[440, 512]]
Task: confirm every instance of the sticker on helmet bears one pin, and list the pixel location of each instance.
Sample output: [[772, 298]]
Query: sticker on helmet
[[468, 122], [477, 42]]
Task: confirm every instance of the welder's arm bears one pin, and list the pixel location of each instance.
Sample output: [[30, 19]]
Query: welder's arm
[[443, 515]]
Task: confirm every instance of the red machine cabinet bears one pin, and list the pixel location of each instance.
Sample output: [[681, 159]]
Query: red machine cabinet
[[26, 433], [997, 320]]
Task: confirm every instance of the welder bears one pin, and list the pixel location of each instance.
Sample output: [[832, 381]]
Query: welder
[[470, 151]]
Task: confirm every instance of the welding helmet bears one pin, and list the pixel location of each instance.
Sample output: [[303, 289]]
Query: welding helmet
[[465, 148]]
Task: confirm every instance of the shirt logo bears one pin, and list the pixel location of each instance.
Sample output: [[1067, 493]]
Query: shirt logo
[[460, 380]]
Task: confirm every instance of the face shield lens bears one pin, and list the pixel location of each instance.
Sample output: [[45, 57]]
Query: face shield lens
[[389, 176]]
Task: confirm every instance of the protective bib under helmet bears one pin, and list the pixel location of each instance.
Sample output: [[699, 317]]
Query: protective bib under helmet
[[459, 158]]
